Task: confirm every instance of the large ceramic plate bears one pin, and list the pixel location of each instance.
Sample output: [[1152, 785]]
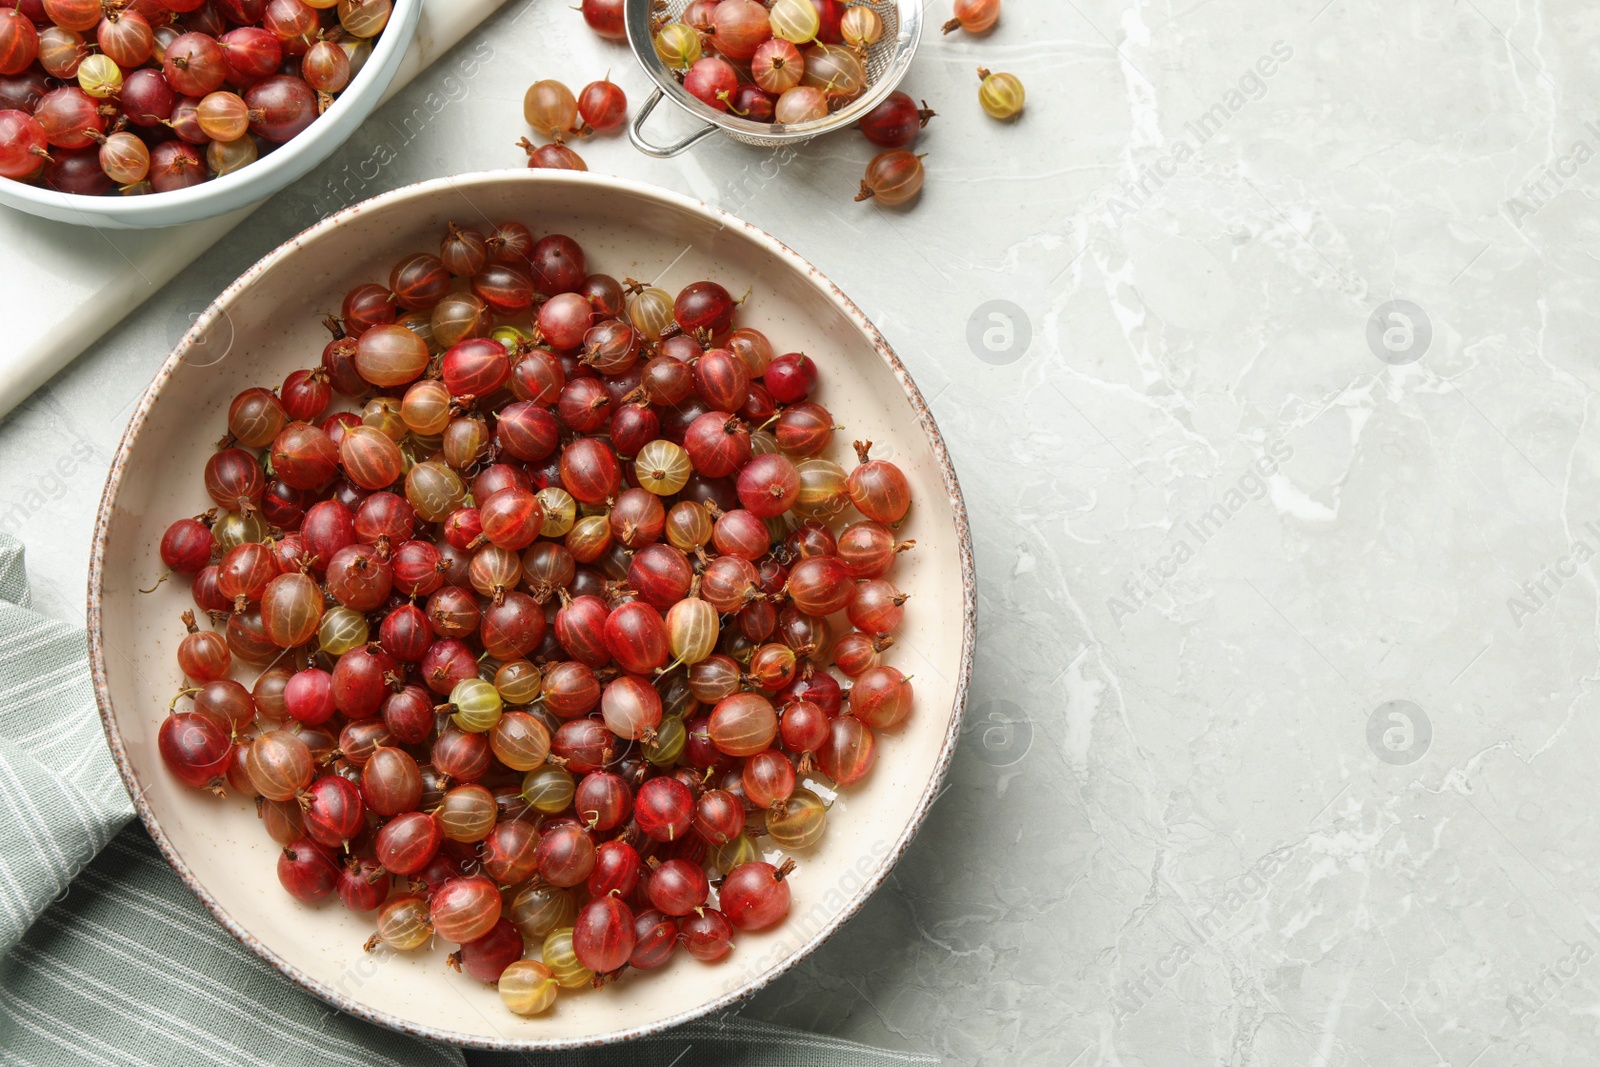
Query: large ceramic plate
[[265, 325]]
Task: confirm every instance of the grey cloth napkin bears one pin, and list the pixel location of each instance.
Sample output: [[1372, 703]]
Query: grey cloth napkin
[[106, 958]]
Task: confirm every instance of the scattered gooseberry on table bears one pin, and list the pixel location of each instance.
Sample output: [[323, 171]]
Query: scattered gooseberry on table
[[973, 16], [551, 109], [1001, 94], [551, 156], [603, 106], [896, 122], [893, 177], [605, 18]]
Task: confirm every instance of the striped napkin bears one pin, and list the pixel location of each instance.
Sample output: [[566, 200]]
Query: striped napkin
[[106, 958]]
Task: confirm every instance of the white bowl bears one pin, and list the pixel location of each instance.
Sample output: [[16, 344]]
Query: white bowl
[[266, 324], [250, 185]]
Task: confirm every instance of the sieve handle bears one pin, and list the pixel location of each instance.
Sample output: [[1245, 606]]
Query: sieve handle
[[636, 134]]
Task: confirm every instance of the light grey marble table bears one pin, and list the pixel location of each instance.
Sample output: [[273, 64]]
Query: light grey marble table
[[1265, 347]]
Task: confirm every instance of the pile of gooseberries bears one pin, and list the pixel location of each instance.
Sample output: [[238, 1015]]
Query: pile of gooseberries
[[791, 61], [141, 96], [554, 113], [530, 605], [788, 62]]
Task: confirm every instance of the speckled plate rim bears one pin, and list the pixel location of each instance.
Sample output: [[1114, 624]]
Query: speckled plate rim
[[457, 186]]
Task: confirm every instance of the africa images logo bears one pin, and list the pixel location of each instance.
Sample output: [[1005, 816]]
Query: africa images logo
[[1147, 582], [1251, 87], [1542, 588]]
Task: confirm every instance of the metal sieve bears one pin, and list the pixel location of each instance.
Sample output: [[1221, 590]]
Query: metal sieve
[[886, 64]]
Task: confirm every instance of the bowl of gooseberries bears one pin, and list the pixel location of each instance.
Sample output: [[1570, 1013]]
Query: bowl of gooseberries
[[555, 609], [138, 114]]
